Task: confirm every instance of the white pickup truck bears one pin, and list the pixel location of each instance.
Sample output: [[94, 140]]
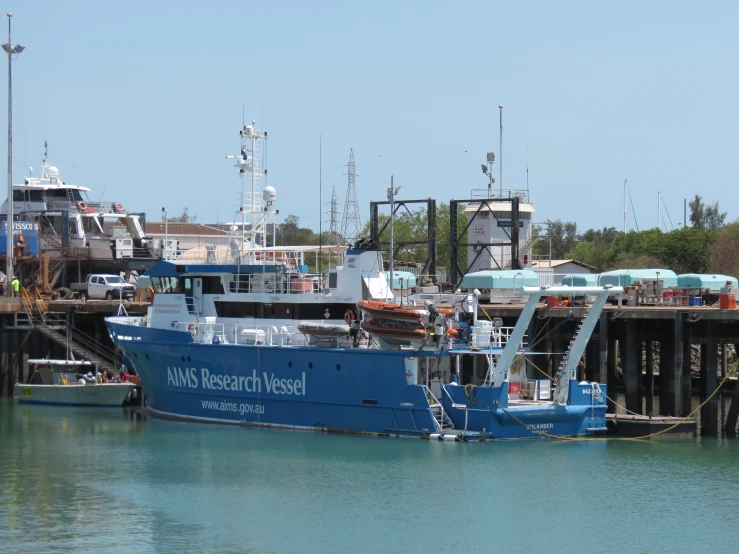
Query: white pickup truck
[[110, 287]]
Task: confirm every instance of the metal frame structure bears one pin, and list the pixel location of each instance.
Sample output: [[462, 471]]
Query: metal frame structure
[[456, 236], [429, 266]]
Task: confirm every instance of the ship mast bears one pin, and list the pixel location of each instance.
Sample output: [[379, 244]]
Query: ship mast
[[255, 208]]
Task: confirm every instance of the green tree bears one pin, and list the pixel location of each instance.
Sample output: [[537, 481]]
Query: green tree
[[184, 217], [563, 235], [688, 250], [593, 245], [705, 216], [725, 251], [289, 233]]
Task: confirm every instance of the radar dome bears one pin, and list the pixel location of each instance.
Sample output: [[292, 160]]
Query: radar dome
[[52, 172], [269, 194]]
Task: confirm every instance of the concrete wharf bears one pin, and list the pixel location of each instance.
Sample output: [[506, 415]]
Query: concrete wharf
[[659, 356], [643, 350], [51, 328]]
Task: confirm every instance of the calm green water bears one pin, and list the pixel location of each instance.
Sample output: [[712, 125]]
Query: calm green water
[[100, 480]]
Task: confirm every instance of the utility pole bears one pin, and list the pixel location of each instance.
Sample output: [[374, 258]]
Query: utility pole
[[351, 223], [391, 192], [10, 49], [334, 216], [500, 162]]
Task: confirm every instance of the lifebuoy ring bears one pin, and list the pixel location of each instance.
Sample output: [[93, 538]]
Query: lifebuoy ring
[[118, 207], [348, 317], [82, 206]]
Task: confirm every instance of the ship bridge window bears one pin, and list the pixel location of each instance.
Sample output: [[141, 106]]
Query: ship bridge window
[[165, 285], [77, 195], [212, 285], [27, 196], [57, 194]]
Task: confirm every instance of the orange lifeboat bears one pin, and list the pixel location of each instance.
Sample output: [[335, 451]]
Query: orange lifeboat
[[386, 310], [396, 335]]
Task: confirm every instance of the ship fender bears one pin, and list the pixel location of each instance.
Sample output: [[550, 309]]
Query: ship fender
[[216, 339]]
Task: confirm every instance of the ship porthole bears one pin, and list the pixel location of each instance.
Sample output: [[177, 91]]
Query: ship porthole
[[135, 355], [289, 364], [338, 367], [310, 365], [147, 356], [182, 358], [188, 358]]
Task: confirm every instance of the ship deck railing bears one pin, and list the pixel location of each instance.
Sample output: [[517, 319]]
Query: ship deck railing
[[498, 338], [233, 333]]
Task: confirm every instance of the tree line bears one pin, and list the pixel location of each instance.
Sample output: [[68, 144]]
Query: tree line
[[707, 245]]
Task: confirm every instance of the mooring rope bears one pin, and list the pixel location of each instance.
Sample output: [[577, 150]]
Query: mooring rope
[[640, 438]]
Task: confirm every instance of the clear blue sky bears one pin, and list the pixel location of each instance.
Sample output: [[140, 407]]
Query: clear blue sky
[[143, 100]]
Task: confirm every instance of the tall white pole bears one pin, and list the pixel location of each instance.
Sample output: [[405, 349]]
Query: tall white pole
[[166, 233], [9, 217], [626, 192], [501, 150], [391, 197]]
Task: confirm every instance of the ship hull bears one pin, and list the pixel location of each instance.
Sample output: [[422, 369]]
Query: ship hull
[[323, 389], [110, 395]]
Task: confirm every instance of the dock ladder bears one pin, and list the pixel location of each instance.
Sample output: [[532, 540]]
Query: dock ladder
[[566, 357]]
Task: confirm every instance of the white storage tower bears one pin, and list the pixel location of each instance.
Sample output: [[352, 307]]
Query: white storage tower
[[490, 226]]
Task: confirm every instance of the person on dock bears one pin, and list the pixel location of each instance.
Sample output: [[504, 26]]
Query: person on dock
[[20, 246], [15, 284]]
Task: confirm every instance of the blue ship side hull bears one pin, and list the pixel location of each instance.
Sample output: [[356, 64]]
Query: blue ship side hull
[[487, 410], [305, 388]]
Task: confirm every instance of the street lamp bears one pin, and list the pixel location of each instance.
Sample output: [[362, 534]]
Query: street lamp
[[391, 192], [166, 229], [10, 49]]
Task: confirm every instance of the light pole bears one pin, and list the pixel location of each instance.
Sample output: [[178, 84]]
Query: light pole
[[391, 192], [10, 49], [166, 229], [500, 162]]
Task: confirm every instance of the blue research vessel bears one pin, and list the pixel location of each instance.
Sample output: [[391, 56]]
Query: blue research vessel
[[247, 335]]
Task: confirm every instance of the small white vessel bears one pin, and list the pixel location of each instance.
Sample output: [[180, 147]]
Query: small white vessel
[[71, 383]]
